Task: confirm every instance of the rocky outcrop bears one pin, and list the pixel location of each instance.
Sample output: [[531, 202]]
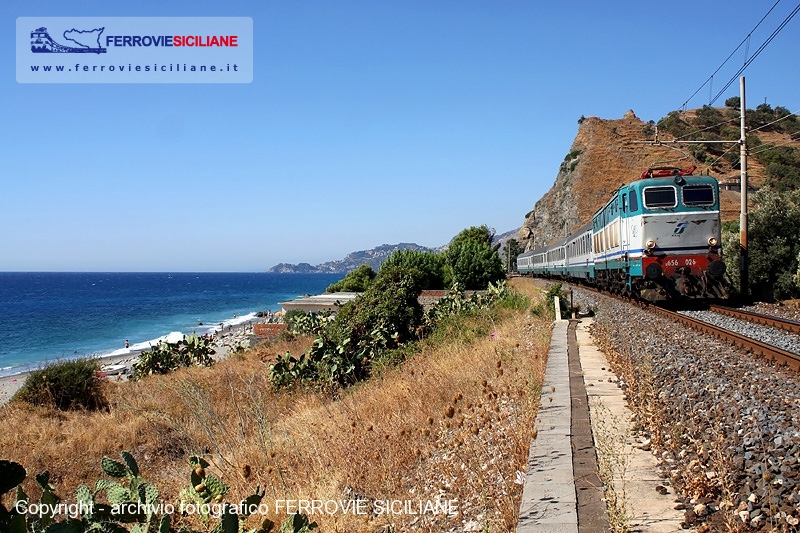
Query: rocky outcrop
[[299, 268], [609, 153], [603, 157]]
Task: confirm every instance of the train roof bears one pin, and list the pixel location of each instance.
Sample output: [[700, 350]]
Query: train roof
[[561, 242], [649, 182], [660, 181]]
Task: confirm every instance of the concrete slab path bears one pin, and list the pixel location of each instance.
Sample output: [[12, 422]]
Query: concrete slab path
[[583, 417]]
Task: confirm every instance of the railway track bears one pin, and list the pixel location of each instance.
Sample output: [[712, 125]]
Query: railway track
[[757, 347], [754, 346], [757, 318]]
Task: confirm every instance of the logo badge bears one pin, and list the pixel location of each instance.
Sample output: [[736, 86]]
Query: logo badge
[[680, 227], [87, 41], [134, 49]]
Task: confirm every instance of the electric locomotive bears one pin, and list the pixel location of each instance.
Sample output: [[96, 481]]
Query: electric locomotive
[[657, 238]]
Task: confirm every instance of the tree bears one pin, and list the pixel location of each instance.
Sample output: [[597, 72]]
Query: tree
[[511, 250], [475, 233], [388, 309], [774, 243], [783, 166], [797, 275], [357, 280], [731, 254], [471, 261], [674, 124], [709, 118], [426, 267], [734, 102]]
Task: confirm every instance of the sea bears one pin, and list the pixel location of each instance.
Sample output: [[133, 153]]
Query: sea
[[52, 316]]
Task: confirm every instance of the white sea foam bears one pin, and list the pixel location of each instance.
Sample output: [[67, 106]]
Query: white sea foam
[[225, 324], [171, 337], [134, 349], [176, 336]]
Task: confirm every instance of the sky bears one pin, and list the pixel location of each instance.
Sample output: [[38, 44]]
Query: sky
[[367, 122]]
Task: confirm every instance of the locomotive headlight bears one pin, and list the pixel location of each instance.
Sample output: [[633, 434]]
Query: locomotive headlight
[[713, 241], [650, 244]]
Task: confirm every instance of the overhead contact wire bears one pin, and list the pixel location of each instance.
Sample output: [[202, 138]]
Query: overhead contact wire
[[757, 52], [711, 78]]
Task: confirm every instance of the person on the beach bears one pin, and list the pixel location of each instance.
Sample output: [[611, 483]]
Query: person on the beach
[[127, 344]]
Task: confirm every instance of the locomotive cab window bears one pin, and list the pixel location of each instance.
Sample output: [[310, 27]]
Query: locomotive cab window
[[634, 205], [660, 197], [698, 195]]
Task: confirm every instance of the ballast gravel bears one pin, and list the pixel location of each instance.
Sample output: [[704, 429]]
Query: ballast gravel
[[725, 425], [772, 336]]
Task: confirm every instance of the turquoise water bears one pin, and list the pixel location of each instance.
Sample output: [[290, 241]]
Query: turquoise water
[[50, 316]]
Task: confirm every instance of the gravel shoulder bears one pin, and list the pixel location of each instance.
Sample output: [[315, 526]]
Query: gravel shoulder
[[724, 425]]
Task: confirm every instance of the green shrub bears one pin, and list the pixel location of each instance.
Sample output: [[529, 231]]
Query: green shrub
[[375, 331], [292, 316], [730, 255], [384, 317], [709, 119], [65, 385], [773, 246], [357, 280], [455, 303], [391, 302], [166, 357], [773, 243], [674, 124], [783, 166], [300, 322], [426, 267], [546, 308]]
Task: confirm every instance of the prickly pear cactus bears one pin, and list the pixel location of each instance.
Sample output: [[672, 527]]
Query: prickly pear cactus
[[11, 475], [205, 487], [298, 523], [113, 468]]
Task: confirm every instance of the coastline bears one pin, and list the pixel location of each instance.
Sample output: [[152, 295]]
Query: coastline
[[225, 340]]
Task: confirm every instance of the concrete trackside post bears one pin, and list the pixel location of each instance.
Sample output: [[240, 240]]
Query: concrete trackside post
[[557, 303]]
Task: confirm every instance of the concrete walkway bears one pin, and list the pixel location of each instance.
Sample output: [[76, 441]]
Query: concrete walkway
[[563, 492], [549, 503]]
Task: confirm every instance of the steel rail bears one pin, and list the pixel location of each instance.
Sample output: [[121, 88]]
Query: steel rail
[[772, 353], [758, 318]]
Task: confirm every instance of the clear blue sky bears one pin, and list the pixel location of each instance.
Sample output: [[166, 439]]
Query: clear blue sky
[[367, 122]]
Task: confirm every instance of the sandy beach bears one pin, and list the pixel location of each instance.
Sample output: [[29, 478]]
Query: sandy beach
[[224, 342]]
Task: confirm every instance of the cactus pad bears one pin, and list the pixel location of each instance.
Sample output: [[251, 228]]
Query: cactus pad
[[11, 475]]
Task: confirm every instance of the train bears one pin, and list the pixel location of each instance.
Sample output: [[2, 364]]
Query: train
[[657, 238]]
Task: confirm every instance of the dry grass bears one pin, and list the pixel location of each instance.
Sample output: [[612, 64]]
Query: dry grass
[[454, 422]]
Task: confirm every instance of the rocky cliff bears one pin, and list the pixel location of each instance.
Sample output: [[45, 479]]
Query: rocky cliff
[[604, 156]]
